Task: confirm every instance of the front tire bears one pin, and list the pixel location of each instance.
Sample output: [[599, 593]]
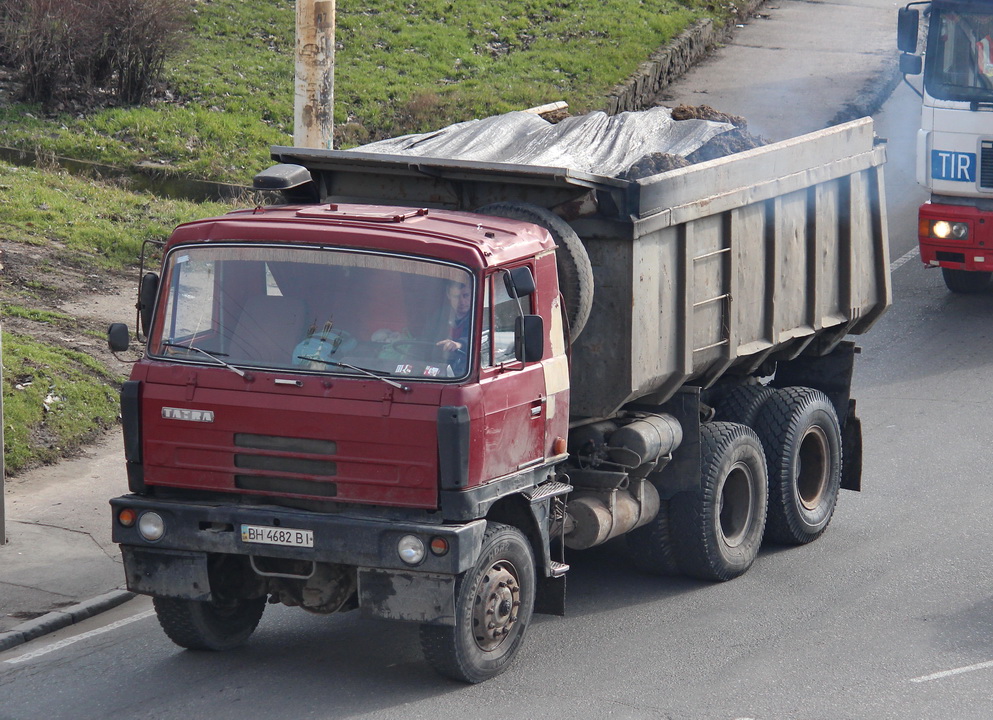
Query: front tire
[[493, 606], [965, 282], [212, 625], [717, 531]]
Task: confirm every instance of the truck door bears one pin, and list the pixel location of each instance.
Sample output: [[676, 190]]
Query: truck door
[[513, 394]]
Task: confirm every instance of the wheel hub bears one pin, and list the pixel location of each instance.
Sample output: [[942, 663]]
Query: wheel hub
[[734, 508], [812, 468], [497, 599]]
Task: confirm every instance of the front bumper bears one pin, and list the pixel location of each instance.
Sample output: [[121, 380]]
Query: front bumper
[[176, 564], [975, 253]]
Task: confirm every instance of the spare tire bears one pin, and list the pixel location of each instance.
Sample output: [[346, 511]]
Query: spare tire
[[574, 268]]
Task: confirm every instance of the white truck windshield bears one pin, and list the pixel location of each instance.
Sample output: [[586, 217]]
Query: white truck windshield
[[959, 60], [315, 310]]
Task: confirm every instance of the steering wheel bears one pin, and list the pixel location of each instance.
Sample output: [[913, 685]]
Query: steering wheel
[[418, 350]]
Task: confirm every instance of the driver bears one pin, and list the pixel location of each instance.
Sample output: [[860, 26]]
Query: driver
[[457, 318]]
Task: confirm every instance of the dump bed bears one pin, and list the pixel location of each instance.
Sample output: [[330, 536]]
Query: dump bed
[[700, 271]]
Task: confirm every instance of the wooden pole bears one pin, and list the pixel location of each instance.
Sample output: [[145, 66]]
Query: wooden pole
[[313, 105]]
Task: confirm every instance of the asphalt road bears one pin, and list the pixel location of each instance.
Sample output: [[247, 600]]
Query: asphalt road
[[888, 615]]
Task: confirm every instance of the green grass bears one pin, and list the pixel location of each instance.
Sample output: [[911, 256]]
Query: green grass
[[400, 67], [92, 223], [95, 227], [53, 400]]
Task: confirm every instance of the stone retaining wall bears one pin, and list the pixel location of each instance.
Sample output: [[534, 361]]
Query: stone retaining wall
[[670, 62]]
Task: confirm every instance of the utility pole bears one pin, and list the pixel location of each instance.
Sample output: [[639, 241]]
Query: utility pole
[[313, 106]]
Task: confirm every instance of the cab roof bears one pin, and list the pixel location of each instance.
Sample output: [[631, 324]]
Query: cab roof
[[467, 238]]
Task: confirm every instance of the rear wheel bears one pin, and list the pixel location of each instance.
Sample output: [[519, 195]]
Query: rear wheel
[[493, 605], [801, 436], [965, 281], [742, 403], [212, 625], [717, 530], [651, 545]]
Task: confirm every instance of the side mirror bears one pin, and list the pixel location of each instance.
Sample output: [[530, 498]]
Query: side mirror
[[118, 337], [907, 23], [519, 282], [147, 291], [911, 64], [529, 338]]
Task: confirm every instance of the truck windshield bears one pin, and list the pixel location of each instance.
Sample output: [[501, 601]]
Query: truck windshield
[[959, 59], [315, 310]]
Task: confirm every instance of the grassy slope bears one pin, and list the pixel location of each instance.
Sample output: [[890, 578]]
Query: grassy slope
[[400, 67], [55, 397]]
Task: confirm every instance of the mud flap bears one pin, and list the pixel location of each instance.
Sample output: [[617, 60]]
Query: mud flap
[[411, 596], [851, 451], [166, 573]]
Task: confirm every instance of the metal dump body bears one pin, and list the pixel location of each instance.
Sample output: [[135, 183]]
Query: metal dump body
[[716, 267]]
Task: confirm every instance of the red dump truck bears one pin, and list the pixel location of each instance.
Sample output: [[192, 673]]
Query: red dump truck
[[417, 386]]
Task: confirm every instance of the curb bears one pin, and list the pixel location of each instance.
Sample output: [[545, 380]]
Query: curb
[[871, 97], [58, 619]]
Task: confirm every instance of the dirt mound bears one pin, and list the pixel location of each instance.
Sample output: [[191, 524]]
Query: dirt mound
[[734, 141]]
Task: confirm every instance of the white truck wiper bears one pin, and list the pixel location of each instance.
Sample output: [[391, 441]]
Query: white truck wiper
[[213, 357], [356, 368]]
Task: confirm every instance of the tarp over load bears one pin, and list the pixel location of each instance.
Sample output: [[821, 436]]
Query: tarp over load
[[596, 143]]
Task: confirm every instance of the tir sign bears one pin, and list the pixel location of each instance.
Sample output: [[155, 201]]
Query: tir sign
[[954, 166]]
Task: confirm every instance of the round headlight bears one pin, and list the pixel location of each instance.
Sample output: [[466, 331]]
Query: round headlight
[[411, 549], [151, 526], [955, 230], [942, 229]]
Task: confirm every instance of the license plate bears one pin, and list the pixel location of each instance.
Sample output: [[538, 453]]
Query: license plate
[[265, 535]]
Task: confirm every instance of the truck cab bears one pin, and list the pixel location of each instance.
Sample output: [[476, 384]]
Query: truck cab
[[955, 140], [332, 398]]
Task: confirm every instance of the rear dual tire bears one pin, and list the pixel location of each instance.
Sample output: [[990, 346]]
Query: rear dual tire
[[717, 531]]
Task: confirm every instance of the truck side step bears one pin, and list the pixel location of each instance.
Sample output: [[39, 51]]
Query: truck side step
[[557, 569], [552, 488]]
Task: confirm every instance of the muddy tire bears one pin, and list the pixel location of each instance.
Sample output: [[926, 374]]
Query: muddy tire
[[573, 263], [717, 531], [493, 606], [965, 282], [742, 403], [801, 437], [650, 546], [199, 625]]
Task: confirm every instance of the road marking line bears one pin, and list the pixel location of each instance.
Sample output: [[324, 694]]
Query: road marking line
[[956, 671], [76, 638], [906, 258]]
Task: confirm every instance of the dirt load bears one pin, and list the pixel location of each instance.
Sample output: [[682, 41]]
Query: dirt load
[[733, 141]]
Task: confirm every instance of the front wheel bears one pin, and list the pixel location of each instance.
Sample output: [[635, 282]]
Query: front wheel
[[212, 625], [493, 605], [965, 281]]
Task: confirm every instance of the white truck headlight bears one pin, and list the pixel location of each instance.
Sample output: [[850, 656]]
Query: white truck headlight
[[151, 526], [411, 549]]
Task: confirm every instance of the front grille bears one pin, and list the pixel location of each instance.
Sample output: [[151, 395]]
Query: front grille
[[986, 164], [300, 466], [285, 444], [290, 486]]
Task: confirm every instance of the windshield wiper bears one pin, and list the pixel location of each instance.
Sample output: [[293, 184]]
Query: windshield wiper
[[356, 368], [213, 357]]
